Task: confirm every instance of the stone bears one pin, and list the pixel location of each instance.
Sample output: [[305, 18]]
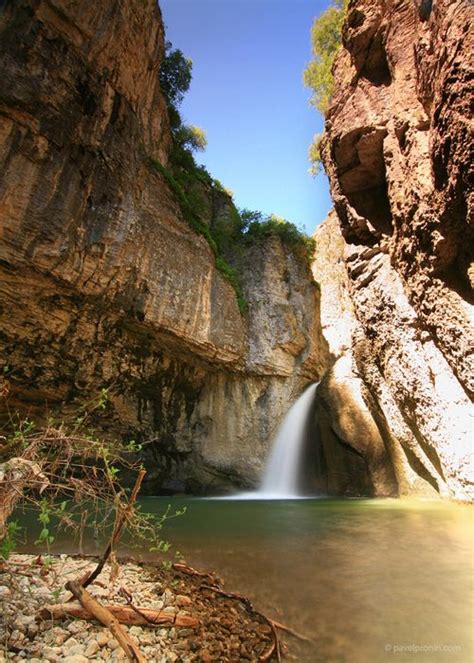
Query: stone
[[78, 626], [75, 658], [181, 600], [135, 631], [394, 259], [51, 653], [76, 649], [113, 258], [171, 657], [5, 592], [146, 637], [69, 643], [102, 639], [92, 648], [33, 630]]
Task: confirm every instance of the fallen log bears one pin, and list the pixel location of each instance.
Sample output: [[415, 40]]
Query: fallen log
[[105, 617], [123, 613]]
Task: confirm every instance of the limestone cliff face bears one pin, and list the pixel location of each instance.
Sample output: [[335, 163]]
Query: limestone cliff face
[[102, 282], [398, 150]]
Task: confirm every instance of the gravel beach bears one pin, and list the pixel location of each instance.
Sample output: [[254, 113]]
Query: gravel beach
[[226, 630]]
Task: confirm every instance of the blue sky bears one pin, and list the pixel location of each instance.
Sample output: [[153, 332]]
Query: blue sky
[[247, 93]]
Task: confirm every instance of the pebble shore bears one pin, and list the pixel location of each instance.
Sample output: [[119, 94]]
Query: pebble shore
[[226, 631]]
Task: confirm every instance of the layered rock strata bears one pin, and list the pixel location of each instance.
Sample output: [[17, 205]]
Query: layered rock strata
[[103, 284], [398, 152]]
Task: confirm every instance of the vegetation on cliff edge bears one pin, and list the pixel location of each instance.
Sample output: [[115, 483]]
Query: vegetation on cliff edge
[[194, 188], [326, 40]]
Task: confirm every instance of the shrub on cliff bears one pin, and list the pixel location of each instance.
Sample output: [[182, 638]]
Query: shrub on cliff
[[175, 75], [175, 79], [237, 228], [289, 233], [315, 156], [325, 42], [190, 137]]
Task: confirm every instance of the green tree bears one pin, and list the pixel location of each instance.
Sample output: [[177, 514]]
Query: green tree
[[325, 43], [314, 155], [190, 137], [175, 75], [175, 79]]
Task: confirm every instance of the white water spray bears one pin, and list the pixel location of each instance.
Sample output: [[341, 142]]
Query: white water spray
[[282, 473]]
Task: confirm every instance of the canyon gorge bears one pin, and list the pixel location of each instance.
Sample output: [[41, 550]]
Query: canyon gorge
[[104, 284]]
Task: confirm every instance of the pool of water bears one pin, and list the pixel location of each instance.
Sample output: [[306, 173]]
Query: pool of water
[[366, 580]]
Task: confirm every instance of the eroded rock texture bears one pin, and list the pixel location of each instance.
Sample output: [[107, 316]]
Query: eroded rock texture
[[398, 151], [102, 282]]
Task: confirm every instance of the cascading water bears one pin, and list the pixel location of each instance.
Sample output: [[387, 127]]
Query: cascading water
[[282, 473]]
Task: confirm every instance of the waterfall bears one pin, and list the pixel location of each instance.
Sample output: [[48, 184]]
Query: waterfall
[[282, 473]]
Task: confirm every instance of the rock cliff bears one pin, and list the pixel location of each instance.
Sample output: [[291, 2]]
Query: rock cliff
[[395, 261], [102, 281]]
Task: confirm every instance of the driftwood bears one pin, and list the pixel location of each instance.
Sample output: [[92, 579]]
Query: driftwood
[[91, 606], [125, 614], [139, 611], [190, 571], [105, 617], [122, 517], [287, 629]]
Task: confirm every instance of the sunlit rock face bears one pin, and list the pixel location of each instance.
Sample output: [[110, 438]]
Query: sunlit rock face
[[398, 152], [102, 281]]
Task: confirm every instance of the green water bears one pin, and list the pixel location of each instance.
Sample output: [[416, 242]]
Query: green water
[[367, 580]]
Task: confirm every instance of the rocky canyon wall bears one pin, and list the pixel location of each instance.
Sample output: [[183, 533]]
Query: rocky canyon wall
[[395, 260], [103, 284]]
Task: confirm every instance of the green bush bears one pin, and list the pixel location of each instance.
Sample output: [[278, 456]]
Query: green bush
[[289, 234], [190, 137], [231, 275], [315, 156], [175, 75], [189, 205], [325, 43], [229, 236], [44, 466], [175, 79], [186, 205]]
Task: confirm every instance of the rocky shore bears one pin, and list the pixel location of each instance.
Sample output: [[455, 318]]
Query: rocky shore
[[227, 630]]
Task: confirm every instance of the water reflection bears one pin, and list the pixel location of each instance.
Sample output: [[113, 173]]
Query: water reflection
[[364, 578]]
